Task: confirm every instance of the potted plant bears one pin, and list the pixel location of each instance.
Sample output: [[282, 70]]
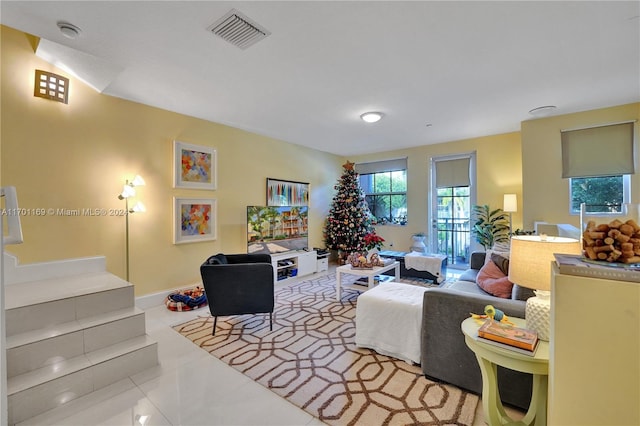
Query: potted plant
[[373, 241], [491, 226]]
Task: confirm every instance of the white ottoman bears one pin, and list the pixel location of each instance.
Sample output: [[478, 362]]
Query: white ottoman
[[389, 320]]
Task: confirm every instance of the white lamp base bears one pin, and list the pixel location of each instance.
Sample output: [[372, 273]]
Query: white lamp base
[[538, 314]]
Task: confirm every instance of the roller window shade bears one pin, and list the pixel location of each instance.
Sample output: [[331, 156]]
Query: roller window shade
[[453, 173], [381, 166], [598, 151]]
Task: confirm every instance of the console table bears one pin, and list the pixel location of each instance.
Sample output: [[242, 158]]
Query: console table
[[595, 355], [489, 357], [369, 273]]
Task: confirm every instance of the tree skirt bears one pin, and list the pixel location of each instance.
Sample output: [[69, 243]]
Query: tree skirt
[[310, 359]]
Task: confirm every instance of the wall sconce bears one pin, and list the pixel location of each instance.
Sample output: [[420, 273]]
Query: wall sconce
[[510, 205], [129, 191], [51, 86]]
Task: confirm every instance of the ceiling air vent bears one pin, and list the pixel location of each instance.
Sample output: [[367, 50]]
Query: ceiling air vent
[[238, 29]]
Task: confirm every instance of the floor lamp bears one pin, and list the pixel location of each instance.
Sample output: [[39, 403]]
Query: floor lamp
[[129, 191], [510, 205]]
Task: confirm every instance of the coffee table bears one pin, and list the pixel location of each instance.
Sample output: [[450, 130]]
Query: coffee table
[[369, 273]]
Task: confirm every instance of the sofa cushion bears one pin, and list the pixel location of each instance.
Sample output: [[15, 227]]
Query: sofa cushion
[[469, 287], [492, 280], [521, 293], [469, 275]]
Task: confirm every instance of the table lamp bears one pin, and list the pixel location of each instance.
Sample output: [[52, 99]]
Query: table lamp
[[530, 266]]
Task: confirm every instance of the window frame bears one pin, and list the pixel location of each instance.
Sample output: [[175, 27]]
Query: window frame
[[389, 193], [626, 194]]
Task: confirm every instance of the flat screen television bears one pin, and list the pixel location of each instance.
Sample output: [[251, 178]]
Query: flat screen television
[[277, 229]]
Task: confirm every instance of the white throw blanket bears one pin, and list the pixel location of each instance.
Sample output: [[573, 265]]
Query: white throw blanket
[[424, 262], [389, 320]]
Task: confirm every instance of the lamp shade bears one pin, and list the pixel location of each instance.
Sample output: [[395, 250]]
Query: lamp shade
[[531, 256], [127, 191], [138, 208], [510, 203], [138, 181]]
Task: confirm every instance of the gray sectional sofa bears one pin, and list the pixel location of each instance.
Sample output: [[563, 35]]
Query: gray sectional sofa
[[445, 356]]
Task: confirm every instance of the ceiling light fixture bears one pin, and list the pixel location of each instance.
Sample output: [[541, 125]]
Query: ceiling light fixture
[[372, 117], [543, 110], [69, 30]]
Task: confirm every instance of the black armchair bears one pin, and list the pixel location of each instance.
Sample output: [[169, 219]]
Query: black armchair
[[238, 284]]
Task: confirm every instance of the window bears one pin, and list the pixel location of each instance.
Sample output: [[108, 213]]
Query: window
[[386, 195], [602, 194], [598, 162]]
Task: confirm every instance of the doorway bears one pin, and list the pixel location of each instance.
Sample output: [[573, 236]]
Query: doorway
[[452, 195]]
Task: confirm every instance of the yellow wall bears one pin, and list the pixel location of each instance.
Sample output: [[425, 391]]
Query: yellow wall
[[546, 193], [78, 156], [527, 163], [499, 171]]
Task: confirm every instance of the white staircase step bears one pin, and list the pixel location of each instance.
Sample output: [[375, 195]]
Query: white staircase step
[[41, 291], [41, 304], [66, 367], [48, 387], [69, 335], [35, 349]]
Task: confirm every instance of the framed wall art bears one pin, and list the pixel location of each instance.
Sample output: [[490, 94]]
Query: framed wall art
[[194, 166], [287, 193], [194, 220]]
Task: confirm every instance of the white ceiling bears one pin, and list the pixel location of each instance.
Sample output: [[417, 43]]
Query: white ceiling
[[467, 69]]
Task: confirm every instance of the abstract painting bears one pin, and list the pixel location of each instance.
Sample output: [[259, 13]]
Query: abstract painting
[[195, 166], [287, 193], [194, 220]]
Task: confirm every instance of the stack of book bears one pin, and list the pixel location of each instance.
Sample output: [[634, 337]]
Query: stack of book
[[507, 336], [577, 265]]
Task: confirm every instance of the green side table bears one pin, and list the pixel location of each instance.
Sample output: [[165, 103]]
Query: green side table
[[489, 357]]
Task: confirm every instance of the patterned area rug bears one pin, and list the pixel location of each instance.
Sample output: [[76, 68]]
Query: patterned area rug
[[310, 359]]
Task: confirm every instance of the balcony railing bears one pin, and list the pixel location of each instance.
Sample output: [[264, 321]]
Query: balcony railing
[[454, 240]]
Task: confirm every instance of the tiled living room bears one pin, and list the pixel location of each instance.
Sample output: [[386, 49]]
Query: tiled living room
[[96, 95], [185, 373]]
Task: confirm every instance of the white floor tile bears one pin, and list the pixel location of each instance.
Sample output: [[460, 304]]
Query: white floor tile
[[120, 404], [188, 387]]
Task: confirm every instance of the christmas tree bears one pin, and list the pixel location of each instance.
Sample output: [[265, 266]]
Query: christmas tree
[[349, 218]]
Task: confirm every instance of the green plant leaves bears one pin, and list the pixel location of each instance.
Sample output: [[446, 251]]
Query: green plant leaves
[[491, 226]]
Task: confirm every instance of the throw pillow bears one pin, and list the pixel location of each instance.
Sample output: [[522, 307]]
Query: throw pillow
[[490, 252], [218, 259], [491, 279], [501, 262], [502, 246]]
